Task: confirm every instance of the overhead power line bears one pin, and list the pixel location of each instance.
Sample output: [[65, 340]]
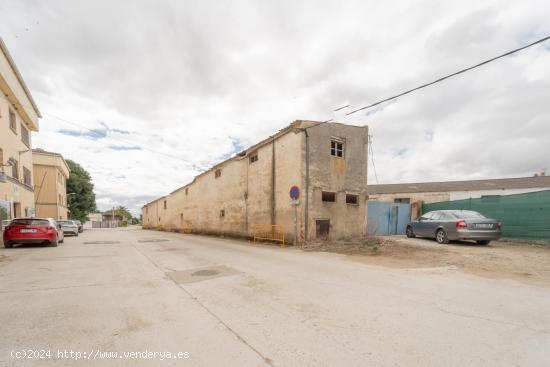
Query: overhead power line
[[448, 76]]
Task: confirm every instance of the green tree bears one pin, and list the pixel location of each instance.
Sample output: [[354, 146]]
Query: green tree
[[80, 192]]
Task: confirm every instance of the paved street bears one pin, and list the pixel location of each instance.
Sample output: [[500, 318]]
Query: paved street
[[230, 303]]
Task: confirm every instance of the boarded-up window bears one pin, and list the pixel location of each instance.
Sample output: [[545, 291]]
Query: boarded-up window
[[328, 197], [25, 136], [217, 173], [351, 199], [27, 176], [13, 125], [336, 148]]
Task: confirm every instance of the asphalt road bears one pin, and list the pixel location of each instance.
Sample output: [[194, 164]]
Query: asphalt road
[[221, 302]]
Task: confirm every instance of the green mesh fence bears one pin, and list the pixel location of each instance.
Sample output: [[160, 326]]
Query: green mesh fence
[[522, 215]]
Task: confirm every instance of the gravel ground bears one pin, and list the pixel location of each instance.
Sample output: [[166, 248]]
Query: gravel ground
[[523, 261]]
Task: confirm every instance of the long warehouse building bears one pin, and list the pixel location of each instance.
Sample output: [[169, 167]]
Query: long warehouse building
[[326, 161]]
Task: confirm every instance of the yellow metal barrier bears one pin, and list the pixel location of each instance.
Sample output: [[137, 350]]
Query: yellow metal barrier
[[187, 228], [269, 232]]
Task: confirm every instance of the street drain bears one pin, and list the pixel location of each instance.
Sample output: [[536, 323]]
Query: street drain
[[205, 273], [153, 240], [101, 242], [201, 274]]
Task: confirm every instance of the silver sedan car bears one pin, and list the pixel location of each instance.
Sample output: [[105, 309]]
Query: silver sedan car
[[69, 227], [448, 225]]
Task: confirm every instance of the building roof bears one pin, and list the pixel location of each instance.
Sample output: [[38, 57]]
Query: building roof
[[19, 77], [57, 160], [472, 185]]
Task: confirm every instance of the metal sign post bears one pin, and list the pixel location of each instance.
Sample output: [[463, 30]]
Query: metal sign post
[[294, 196]]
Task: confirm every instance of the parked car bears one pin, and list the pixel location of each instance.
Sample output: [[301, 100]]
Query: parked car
[[80, 226], [69, 227], [33, 231], [448, 225]]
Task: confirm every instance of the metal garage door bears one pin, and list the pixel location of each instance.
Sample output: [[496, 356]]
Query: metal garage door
[[388, 218]]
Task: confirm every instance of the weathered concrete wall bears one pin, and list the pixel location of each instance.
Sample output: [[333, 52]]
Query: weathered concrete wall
[[421, 197], [257, 192], [341, 175]]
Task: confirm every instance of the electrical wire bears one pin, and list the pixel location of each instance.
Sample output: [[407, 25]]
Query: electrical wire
[[449, 75]]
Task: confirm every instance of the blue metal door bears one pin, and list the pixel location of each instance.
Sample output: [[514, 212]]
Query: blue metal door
[[387, 218]]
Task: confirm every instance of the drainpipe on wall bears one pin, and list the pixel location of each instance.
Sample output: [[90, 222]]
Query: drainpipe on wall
[[306, 226], [273, 180]]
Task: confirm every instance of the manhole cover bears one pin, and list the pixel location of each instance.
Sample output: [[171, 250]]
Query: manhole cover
[[101, 242], [153, 240], [205, 273]]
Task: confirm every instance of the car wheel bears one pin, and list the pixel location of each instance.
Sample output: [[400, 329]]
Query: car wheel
[[409, 232], [484, 242], [53, 244], [441, 237], [8, 244]]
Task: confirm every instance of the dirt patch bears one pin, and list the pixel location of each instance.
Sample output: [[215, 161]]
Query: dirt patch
[[525, 262]]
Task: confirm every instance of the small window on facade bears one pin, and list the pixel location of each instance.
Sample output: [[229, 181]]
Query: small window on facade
[[13, 125], [336, 148], [217, 173], [253, 157], [329, 197], [222, 213], [402, 200], [146, 210], [186, 190], [25, 136], [165, 206], [351, 199], [27, 176], [181, 216]]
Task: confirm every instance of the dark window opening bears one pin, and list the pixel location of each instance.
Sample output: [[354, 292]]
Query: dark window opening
[[146, 210], [351, 199], [217, 173], [186, 190], [181, 216], [402, 200], [329, 197], [336, 148], [165, 205], [222, 213], [254, 158]]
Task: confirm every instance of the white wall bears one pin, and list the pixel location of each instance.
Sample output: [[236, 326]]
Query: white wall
[[460, 195]]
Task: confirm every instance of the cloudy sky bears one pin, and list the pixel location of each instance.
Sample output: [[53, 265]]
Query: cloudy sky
[[146, 94]]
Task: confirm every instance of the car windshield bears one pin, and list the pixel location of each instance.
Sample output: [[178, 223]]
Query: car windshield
[[468, 214], [30, 222]]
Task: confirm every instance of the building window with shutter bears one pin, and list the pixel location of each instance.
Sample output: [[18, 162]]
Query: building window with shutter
[[25, 136], [27, 176], [14, 168], [13, 125]]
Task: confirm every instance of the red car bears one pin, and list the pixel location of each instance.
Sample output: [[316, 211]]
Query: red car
[[32, 231]]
